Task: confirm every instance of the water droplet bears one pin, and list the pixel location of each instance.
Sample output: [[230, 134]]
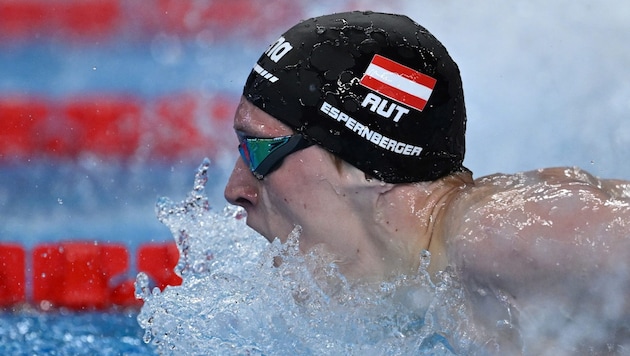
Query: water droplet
[[147, 336]]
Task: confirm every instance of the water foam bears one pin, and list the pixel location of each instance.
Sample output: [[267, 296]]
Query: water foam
[[236, 298]]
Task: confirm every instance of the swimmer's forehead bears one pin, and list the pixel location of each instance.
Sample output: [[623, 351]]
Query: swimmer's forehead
[[249, 120]]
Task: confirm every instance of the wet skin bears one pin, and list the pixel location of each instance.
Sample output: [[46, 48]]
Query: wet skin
[[308, 190], [546, 249]]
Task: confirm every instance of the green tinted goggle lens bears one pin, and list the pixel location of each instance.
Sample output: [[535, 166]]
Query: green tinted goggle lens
[[263, 155]]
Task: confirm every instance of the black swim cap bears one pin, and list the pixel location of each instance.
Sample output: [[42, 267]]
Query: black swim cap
[[377, 90]]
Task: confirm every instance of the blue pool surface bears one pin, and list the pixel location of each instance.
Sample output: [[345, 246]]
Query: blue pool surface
[[65, 334]]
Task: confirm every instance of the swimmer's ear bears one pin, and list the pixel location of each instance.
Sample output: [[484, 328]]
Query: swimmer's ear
[[363, 180], [381, 186], [358, 177]]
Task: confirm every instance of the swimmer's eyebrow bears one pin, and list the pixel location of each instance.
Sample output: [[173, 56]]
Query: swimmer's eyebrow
[[241, 130], [240, 133]]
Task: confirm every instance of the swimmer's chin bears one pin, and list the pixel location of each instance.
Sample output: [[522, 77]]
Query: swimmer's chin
[[271, 237], [267, 236]]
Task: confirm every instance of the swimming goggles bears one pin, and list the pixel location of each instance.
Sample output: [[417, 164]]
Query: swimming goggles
[[263, 155]]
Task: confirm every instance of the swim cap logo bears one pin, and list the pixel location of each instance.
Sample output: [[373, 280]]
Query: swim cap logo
[[275, 52], [398, 82], [278, 49]]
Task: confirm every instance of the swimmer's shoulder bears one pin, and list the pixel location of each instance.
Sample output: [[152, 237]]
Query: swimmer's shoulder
[[552, 175], [561, 178], [543, 202], [581, 180], [500, 200]]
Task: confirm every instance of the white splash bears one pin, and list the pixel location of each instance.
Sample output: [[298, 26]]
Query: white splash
[[235, 300]]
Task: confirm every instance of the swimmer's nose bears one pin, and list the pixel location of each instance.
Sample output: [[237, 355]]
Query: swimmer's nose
[[242, 187]]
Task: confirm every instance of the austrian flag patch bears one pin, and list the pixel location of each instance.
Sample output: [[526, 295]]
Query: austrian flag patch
[[398, 82]]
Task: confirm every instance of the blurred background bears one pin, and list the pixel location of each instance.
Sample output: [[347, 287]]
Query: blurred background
[[106, 105]]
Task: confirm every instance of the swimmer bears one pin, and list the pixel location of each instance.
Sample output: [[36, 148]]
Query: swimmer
[[352, 127]]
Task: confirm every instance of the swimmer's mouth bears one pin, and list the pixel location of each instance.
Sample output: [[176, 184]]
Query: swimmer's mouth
[[243, 215]]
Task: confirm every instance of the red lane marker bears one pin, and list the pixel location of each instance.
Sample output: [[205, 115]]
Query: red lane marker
[[98, 19], [76, 274], [115, 261], [177, 126], [21, 121], [188, 124], [12, 275], [90, 18], [83, 275], [48, 275], [104, 126], [173, 126], [216, 20], [123, 294], [158, 260], [19, 19]]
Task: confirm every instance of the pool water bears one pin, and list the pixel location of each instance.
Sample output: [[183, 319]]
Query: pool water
[[72, 333]]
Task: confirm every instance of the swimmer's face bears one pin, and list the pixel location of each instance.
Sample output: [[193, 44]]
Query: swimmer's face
[[307, 189]]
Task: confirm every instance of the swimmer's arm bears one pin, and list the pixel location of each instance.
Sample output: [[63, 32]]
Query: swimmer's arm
[[547, 244]]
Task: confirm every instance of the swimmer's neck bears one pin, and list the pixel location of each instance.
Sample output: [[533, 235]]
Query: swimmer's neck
[[420, 221], [444, 205]]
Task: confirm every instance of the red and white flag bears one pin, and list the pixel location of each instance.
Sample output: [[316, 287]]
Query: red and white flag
[[398, 82]]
